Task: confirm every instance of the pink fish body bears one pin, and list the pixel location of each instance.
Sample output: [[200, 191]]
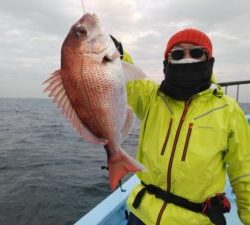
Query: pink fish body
[[90, 90]]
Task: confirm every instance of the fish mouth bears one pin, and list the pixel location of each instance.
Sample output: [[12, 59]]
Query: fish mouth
[[89, 18]]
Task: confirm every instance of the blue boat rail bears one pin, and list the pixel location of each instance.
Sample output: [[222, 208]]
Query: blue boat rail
[[112, 210]]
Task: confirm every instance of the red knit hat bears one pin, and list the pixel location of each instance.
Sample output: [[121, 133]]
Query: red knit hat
[[190, 35]]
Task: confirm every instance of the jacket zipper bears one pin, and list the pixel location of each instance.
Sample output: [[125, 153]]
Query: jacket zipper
[[184, 154], [184, 113], [167, 137]]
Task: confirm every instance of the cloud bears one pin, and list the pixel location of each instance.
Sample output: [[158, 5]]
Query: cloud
[[32, 33]]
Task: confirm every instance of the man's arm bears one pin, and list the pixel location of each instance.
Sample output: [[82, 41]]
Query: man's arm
[[238, 159], [139, 93]]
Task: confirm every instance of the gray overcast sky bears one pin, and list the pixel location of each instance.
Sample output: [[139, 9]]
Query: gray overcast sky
[[32, 32]]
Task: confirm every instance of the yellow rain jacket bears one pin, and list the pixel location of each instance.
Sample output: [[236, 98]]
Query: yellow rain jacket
[[187, 149]]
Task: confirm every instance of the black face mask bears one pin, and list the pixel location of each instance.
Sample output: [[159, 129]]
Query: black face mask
[[184, 80]]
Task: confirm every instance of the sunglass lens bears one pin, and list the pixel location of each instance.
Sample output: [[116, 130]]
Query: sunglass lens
[[197, 53], [177, 54]]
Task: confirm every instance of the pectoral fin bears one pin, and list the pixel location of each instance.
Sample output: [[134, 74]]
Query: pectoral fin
[[132, 72], [128, 125]]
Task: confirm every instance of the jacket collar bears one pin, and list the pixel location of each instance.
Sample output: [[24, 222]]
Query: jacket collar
[[202, 96]]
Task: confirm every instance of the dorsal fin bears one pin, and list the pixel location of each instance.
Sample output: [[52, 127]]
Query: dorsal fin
[[56, 90]]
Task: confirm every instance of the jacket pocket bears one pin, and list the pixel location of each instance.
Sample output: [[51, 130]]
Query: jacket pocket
[[184, 154], [167, 137]]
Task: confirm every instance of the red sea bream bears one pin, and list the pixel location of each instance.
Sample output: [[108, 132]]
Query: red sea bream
[[90, 90]]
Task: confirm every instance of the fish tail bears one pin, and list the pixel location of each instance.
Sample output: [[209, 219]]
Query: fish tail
[[120, 167]]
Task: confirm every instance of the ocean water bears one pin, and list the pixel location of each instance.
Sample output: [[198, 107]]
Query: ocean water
[[48, 174]]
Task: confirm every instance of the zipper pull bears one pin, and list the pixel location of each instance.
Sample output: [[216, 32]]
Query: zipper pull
[[186, 106]]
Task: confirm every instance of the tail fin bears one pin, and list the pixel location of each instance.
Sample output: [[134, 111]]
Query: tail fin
[[119, 168]]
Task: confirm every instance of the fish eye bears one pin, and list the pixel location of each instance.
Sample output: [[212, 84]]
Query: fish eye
[[81, 31]]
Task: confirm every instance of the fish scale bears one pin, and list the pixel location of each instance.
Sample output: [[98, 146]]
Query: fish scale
[[97, 100]]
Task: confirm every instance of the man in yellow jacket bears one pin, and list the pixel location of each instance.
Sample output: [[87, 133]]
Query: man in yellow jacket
[[191, 135]]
